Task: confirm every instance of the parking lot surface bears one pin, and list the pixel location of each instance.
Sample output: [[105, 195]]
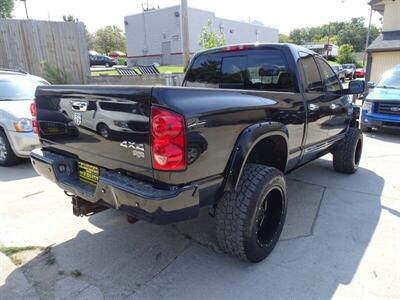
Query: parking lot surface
[[340, 240]]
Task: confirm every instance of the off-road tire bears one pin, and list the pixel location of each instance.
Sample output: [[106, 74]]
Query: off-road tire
[[237, 213], [347, 154], [10, 159]]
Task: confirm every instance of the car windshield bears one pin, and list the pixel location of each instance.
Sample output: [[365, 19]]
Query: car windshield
[[18, 87], [390, 80], [347, 66]]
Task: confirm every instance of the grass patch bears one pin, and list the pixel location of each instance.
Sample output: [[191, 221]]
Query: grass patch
[[14, 250], [76, 273], [162, 69]]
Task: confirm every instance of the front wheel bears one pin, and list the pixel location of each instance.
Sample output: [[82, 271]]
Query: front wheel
[[347, 153], [7, 155], [250, 220]]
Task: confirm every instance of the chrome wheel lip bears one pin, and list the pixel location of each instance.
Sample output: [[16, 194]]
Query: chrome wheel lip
[[3, 149]]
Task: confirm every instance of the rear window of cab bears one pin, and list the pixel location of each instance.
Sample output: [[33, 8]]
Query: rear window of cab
[[250, 69]]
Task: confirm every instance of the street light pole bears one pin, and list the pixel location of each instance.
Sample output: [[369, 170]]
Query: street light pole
[[185, 33], [26, 9]]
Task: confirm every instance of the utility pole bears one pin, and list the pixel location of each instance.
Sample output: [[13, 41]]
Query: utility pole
[[185, 33], [26, 9], [367, 39]]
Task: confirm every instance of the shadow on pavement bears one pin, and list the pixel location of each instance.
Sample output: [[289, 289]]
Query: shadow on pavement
[[385, 134], [21, 171], [314, 256]]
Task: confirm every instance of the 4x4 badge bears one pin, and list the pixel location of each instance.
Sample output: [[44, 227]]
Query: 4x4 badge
[[138, 149]]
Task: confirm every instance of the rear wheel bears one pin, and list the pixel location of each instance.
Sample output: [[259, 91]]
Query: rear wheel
[[347, 154], [7, 155], [250, 220]]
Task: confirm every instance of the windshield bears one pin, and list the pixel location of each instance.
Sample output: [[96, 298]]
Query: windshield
[[390, 79], [347, 66], [18, 87]]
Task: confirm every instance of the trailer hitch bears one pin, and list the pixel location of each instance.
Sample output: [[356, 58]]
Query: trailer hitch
[[81, 207]]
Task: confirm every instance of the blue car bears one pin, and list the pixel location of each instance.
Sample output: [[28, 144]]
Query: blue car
[[381, 108]]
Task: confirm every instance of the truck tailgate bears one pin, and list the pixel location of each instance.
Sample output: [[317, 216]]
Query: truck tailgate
[[107, 126]]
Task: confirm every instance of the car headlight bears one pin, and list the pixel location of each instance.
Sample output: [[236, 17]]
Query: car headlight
[[122, 124], [367, 106], [23, 125]]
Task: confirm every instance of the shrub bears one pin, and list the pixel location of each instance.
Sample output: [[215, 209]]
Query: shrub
[[53, 74]]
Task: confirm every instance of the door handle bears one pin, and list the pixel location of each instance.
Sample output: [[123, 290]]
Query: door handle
[[313, 107], [79, 105]]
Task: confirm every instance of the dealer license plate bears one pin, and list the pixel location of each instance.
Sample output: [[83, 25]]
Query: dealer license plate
[[88, 173]]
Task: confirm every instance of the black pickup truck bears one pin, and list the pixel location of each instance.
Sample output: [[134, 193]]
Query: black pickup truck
[[245, 116]]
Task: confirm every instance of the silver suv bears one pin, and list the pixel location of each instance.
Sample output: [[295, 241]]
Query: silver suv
[[17, 92]]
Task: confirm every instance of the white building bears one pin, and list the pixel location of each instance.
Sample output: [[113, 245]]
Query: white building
[[329, 51], [155, 36]]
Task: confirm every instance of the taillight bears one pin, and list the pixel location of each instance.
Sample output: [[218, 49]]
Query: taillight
[[35, 126], [233, 48], [167, 140]]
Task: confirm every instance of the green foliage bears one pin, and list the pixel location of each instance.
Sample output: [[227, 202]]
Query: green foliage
[[14, 250], [70, 18], [209, 38], [53, 74], [91, 40], [121, 60], [283, 38], [346, 54], [6, 9], [109, 38], [352, 32]]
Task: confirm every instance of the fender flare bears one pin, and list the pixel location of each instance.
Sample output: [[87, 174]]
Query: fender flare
[[245, 143]]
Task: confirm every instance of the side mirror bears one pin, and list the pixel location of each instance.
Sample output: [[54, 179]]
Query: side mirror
[[371, 84], [355, 87]]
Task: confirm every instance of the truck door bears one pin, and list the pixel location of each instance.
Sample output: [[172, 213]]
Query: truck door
[[333, 95], [318, 110]]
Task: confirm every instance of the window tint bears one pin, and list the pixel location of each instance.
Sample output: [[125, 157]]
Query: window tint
[[312, 80], [329, 77], [254, 69], [204, 72]]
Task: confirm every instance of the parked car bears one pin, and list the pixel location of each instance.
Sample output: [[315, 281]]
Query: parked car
[[17, 139], [360, 72], [254, 112], [350, 70], [381, 107], [101, 60], [339, 72]]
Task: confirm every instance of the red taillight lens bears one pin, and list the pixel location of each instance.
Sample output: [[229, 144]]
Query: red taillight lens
[[35, 126], [168, 140], [33, 109]]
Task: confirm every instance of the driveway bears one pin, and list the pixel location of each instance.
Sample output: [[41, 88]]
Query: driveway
[[341, 240]]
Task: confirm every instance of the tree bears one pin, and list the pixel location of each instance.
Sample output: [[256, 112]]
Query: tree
[[346, 54], [352, 32], [6, 8], [109, 38], [283, 38], [90, 40], [209, 38], [70, 18]]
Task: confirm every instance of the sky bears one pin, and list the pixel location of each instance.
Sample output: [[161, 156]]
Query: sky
[[284, 15]]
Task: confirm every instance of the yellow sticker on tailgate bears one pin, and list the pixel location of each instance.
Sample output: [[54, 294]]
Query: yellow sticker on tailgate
[[88, 173]]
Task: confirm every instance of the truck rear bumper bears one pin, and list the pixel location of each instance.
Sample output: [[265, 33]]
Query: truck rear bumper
[[136, 198]]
